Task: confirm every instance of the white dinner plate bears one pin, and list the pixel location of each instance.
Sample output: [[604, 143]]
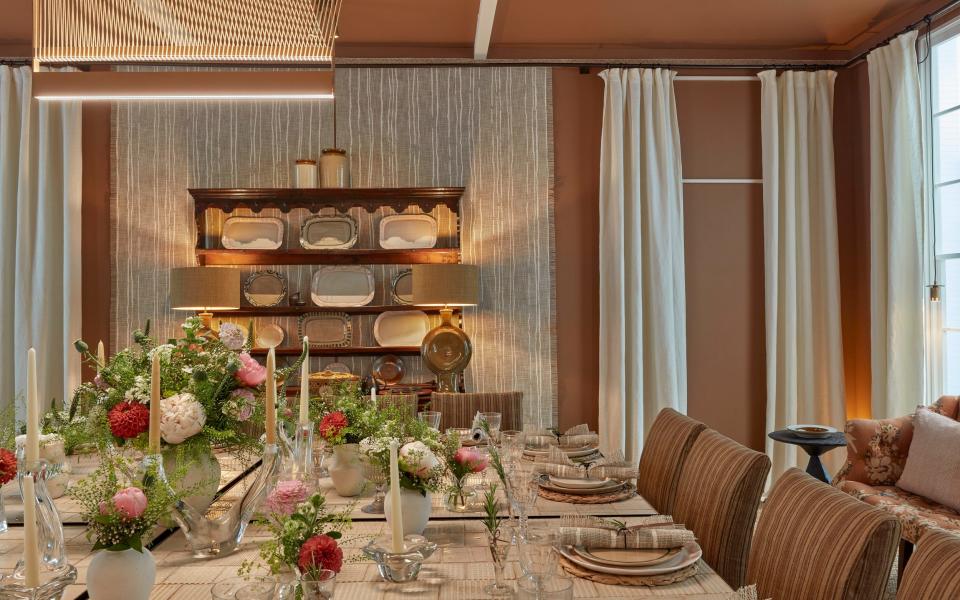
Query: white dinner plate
[[570, 452], [628, 558], [608, 488], [580, 484], [688, 555]]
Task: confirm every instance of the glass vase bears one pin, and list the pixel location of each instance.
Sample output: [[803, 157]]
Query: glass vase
[[49, 526], [319, 585], [461, 497], [499, 542]]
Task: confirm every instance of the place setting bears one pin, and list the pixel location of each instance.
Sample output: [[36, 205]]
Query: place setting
[[602, 481]]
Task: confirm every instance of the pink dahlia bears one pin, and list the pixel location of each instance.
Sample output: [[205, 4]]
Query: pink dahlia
[[130, 502], [332, 424], [320, 552], [128, 419], [251, 373], [284, 498]]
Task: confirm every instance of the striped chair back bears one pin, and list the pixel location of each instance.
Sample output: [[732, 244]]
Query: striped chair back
[[458, 410], [407, 401], [664, 451], [934, 568], [717, 498], [814, 541]]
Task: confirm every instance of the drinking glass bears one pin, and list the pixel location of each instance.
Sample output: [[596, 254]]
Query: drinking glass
[[318, 585], [378, 478], [228, 588], [431, 418], [522, 491], [493, 420], [554, 588], [538, 556], [499, 543], [512, 441], [258, 590]]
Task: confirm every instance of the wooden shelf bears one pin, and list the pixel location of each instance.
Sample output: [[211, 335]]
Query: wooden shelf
[[328, 257], [286, 199], [345, 351], [293, 311]]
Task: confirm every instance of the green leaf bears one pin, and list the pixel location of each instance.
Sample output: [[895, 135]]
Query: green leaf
[[335, 534]]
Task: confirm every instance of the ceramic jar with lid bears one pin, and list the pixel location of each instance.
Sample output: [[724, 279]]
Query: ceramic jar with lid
[[334, 168], [305, 173]]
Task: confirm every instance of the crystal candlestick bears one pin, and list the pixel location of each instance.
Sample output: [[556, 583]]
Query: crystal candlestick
[[303, 452], [49, 527], [404, 566], [52, 585]]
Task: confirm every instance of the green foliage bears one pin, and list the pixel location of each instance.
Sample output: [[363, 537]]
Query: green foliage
[[491, 510]]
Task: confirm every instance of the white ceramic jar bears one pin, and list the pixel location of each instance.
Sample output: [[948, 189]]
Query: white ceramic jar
[[123, 575], [414, 509], [305, 174], [334, 168]]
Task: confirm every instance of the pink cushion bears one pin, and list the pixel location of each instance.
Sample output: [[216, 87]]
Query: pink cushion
[[933, 466]]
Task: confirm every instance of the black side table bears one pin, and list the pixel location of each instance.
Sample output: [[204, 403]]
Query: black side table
[[814, 447]]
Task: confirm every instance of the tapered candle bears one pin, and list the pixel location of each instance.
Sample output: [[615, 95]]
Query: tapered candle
[[270, 423], [373, 395], [154, 437], [396, 516], [31, 550], [305, 384], [31, 450], [101, 356]]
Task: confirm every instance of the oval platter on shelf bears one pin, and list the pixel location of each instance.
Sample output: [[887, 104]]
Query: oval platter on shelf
[[401, 328], [341, 286], [325, 329], [408, 231], [329, 233], [252, 233]]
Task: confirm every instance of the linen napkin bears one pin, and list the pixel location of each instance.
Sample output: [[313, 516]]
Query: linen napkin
[[573, 437], [656, 532], [558, 464]]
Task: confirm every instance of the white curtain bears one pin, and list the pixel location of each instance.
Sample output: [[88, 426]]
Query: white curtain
[[802, 286], [643, 365], [40, 175], [896, 205]]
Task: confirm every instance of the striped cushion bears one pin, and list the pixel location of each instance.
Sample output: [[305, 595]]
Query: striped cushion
[[717, 498], [458, 410], [406, 400], [934, 568], [814, 541], [664, 451]]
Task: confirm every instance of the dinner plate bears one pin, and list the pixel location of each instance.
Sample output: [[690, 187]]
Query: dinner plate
[[688, 555], [627, 557], [610, 487], [581, 484], [571, 453], [810, 430]]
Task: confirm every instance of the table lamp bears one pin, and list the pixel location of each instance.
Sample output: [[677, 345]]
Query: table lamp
[[446, 349], [204, 289]]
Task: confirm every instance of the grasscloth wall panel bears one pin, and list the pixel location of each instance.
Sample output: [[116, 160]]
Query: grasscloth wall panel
[[489, 130]]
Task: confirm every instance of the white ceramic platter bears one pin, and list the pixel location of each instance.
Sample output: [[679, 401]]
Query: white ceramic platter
[[621, 557], [401, 328], [328, 233], [688, 555], [582, 484], [326, 330], [342, 286], [252, 233], [408, 231], [270, 336]]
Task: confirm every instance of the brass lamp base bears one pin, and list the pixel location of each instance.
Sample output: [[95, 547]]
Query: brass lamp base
[[446, 350]]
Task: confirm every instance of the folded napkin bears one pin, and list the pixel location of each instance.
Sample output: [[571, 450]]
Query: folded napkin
[[558, 464], [658, 531], [574, 437]]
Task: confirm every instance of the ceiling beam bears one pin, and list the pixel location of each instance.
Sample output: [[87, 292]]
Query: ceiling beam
[[481, 41]]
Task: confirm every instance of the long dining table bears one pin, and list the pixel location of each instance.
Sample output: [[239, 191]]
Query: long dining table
[[458, 570]]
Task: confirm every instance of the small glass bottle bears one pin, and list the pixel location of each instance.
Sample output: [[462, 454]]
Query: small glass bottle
[[305, 173], [334, 168]]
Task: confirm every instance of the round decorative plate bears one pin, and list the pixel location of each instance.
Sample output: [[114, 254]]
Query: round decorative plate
[[688, 555], [623, 557], [387, 369], [270, 336], [580, 484]]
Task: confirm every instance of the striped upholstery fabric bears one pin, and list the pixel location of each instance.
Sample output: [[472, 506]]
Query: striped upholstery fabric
[[458, 410], [934, 568], [664, 452], [717, 498], [813, 541], [408, 401]]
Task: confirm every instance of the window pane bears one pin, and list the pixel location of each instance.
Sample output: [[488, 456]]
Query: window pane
[[951, 363], [948, 219], [951, 294], [948, 147], [946, 58]]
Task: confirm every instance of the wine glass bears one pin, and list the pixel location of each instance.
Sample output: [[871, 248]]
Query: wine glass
[[522, 492], [538, 556], [431, 418], [378, 477], [493, 420], [555, 588], [512, 441]]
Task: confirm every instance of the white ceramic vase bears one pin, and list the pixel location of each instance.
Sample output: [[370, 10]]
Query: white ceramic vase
[[414, 508], [124, 575], [346, 470], [203, 475]]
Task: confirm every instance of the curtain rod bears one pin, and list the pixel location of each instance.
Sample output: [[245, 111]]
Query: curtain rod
[[930, 17]]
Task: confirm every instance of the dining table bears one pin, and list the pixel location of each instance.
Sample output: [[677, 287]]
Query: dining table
[[458, 570]]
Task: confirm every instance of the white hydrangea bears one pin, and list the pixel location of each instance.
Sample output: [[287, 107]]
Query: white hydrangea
[[418, 459], [181, 417], [232, 336], [140, 392], [376, 445]]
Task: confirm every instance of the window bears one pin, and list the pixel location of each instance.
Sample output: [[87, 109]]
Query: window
[[943, 230]]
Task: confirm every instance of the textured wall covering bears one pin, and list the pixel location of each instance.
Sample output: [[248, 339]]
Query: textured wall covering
[[488, 129]]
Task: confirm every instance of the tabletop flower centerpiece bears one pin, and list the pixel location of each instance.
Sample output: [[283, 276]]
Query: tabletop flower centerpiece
[[461, 462], [212, 393], [305, 538], [347, 418], [121, 505]]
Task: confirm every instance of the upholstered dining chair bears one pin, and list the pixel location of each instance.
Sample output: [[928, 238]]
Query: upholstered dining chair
[[407, 401], [717, 498], [813, 541], [458, 410], [934, 568], [664, 451]]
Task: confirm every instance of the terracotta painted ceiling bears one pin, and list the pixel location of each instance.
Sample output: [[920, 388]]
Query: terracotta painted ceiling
[[596, 29]]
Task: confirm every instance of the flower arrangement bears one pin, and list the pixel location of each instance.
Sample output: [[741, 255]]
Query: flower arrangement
[[211, 387], [304, 539], [460, 462], [420, 468], [121, 506], [348, 416]]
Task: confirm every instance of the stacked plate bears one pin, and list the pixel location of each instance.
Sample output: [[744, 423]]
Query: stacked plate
[[580, 487], [572, 453], [624, 561]]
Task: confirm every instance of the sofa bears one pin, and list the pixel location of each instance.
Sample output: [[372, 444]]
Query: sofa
[[877, 452]]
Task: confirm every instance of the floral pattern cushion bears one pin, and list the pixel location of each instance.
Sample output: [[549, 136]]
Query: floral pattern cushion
[[916, 513]]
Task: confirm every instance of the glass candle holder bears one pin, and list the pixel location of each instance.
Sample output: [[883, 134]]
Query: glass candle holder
[[303, 452], [400, 567], [52, 584], [49, 526]]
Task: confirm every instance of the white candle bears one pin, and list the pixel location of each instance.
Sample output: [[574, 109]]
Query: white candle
[[396, 516], [101, 356], [373, 395], [305, 384], [31, 550], [270, 423], [32, 448], [154, 434]]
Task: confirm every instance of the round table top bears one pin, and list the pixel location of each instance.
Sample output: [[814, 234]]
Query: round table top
[[833, 440]]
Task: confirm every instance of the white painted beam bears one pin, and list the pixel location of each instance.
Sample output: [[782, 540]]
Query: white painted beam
[[481, 41]]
